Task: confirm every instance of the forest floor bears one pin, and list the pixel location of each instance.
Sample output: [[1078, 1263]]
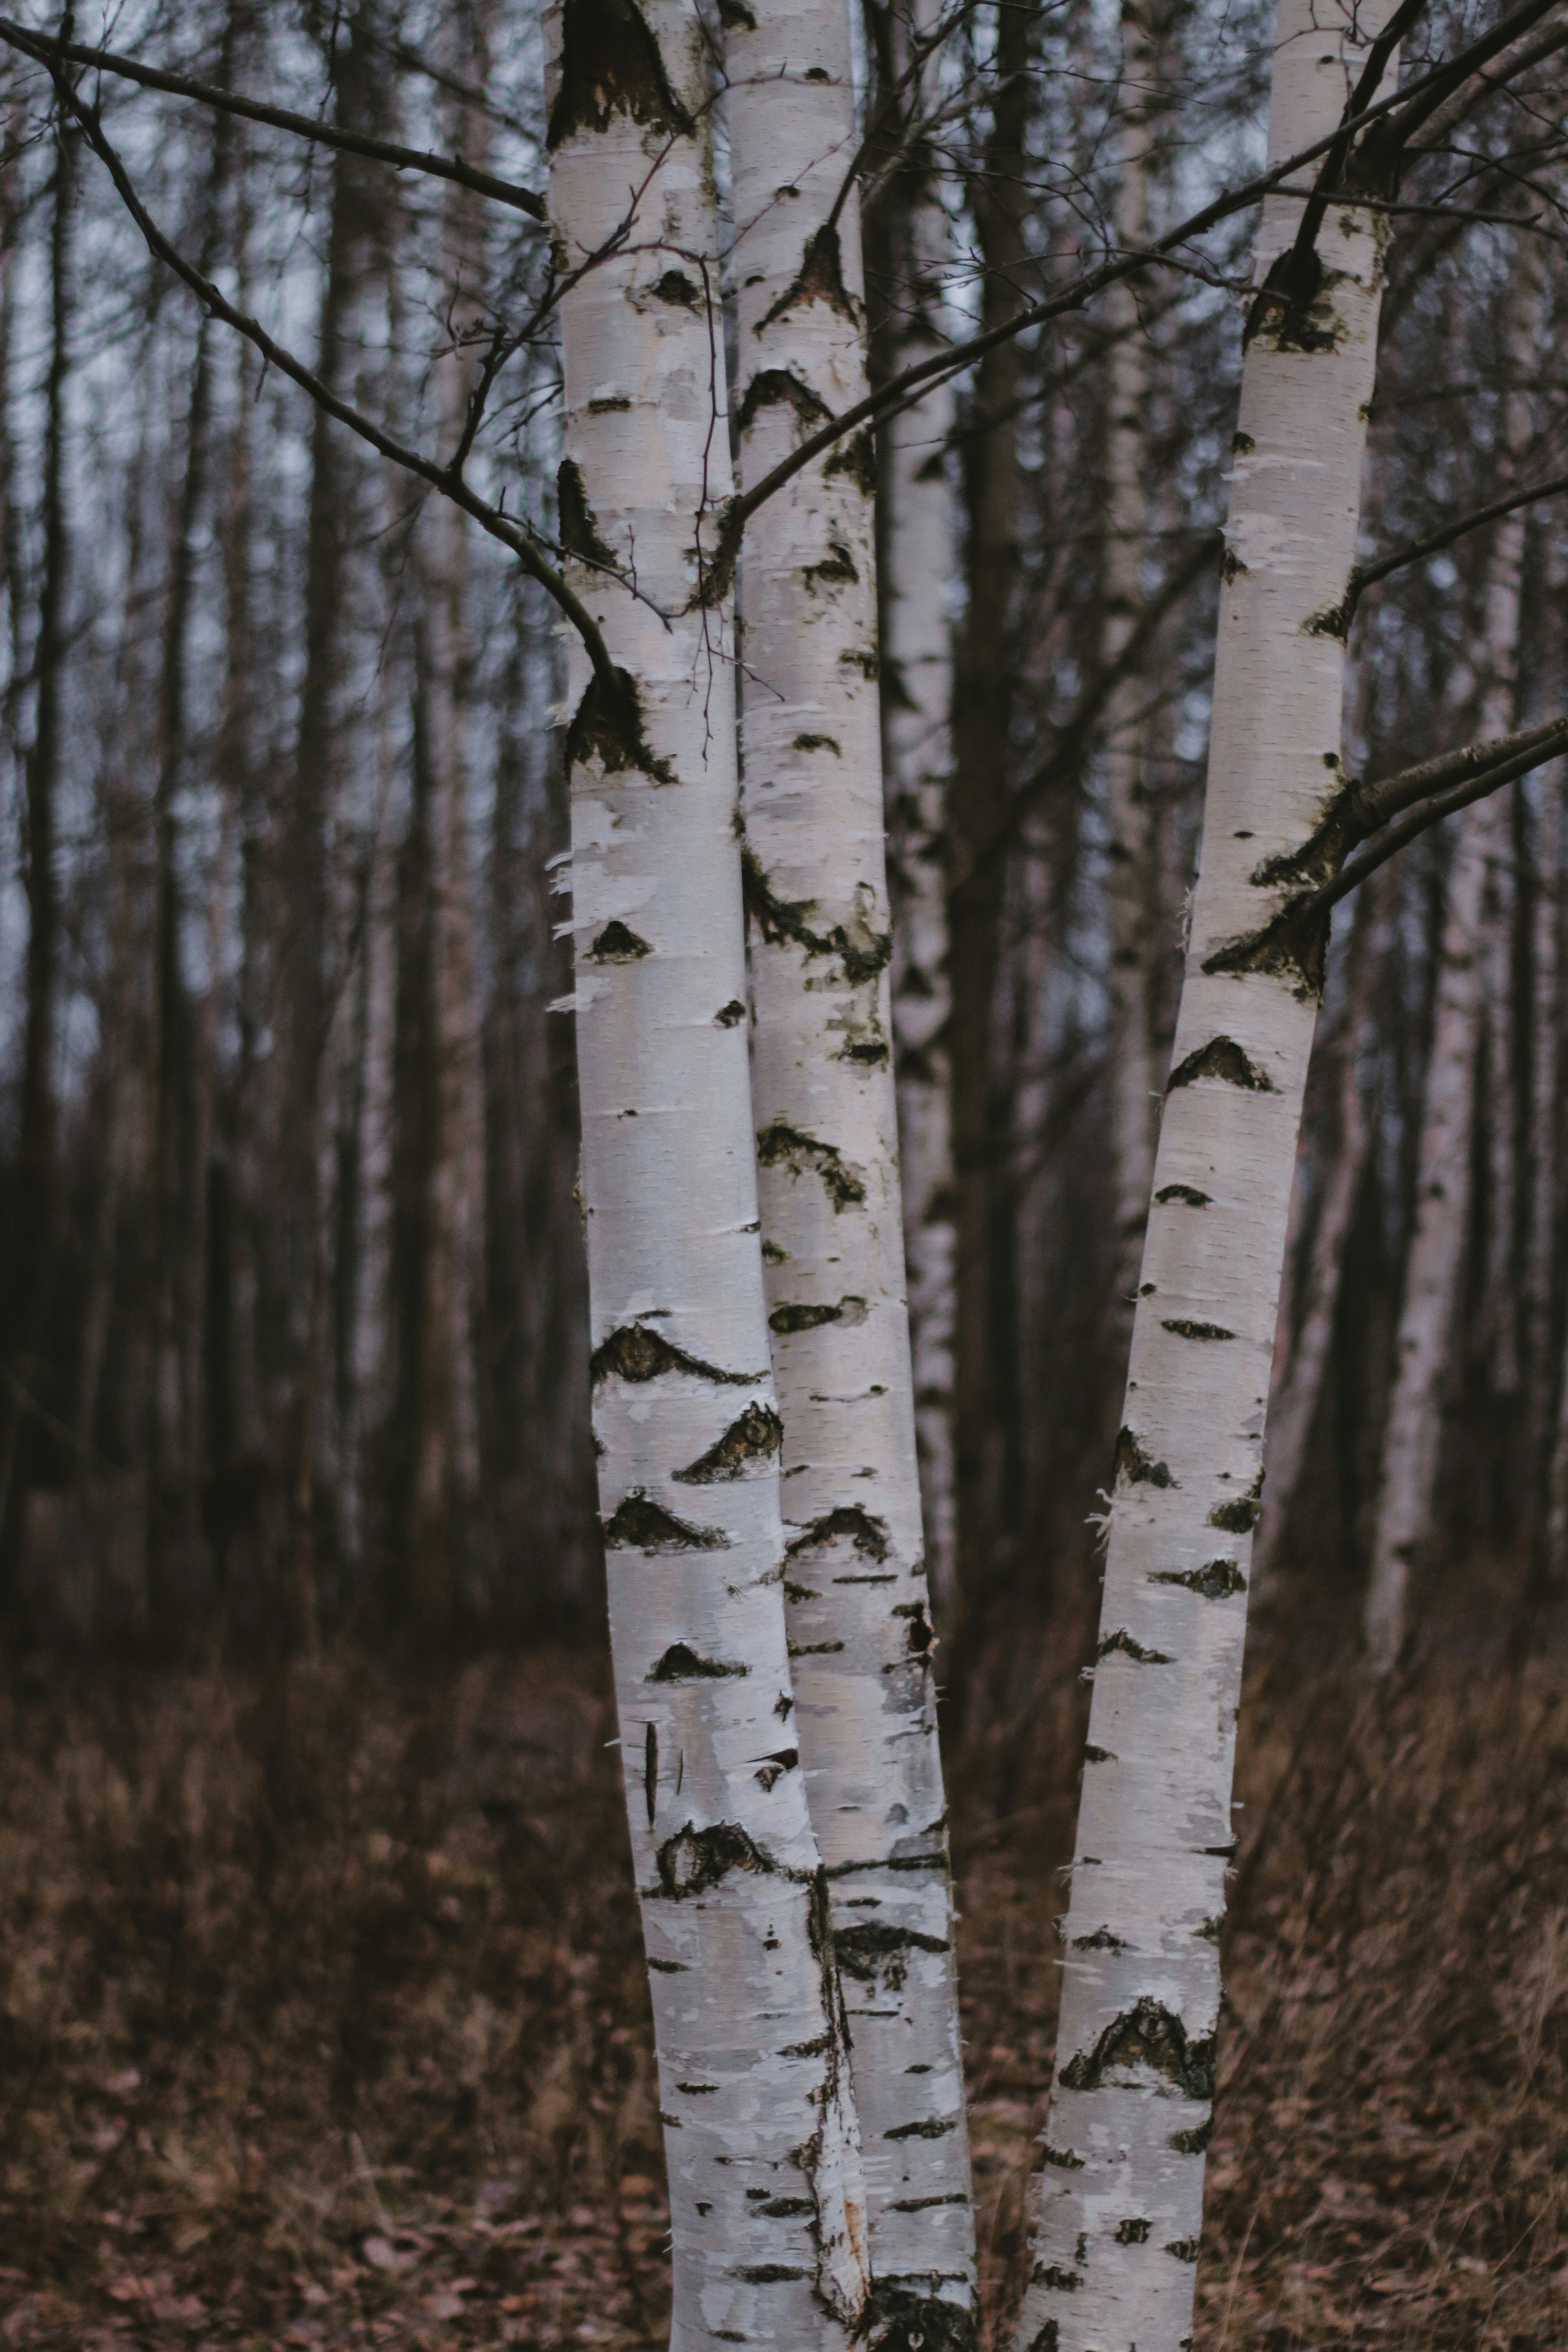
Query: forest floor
[[323, 2022]]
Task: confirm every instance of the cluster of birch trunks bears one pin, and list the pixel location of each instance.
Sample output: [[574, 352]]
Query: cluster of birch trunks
[[314, 1078]]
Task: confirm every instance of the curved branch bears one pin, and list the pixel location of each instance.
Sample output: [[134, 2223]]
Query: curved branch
[[440, 478], [50, 53], [926, 375], [1336, 620]]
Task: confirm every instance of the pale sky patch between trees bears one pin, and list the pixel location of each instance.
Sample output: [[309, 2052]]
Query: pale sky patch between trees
[[817, 516]]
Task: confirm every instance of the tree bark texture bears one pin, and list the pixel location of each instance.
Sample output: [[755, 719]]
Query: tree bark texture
[[920, 560], [826, 1120], [767, 2206], [1134, 927], [1122, 2193]]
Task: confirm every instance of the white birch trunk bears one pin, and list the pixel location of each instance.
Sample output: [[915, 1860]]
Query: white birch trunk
[[1469, 955], [826, 1124], [1121, 2194], [767, 2214], [1133, 923], [921, 562]]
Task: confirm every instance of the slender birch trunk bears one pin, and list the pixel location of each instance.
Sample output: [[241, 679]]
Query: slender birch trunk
[[826, 1118], [767, 2209], [1121, 2194], [920, 563], [1133, 919], [1467, 999]]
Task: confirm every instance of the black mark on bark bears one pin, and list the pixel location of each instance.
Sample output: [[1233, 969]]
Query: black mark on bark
[[1138, 1468], [819, 279], [608, 723], [1132, 2232], [1186, 1329], [868, 1535], [693, 1860], [904, 2319], [1221, 1058], [862, 957], [636, 1353], [782, 388], [1216, 1580], [758, 1434], [579, 533], [1187, 1193], [681, 1665], [617, 944], [639, 1523], [788, 1147], [875, 1953], [610, 64], [791, 1316], [1147, 2035], [1123, 1639]]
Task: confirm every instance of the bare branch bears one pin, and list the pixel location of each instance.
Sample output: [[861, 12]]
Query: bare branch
[[440, 478], [1337, 621], [50, 53]]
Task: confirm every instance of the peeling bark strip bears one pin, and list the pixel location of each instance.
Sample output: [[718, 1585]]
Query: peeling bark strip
[[748, 2026], [827, 1158], [1140, 2002]]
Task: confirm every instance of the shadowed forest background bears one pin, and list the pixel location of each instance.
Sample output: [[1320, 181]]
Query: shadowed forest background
[[323, 2014]]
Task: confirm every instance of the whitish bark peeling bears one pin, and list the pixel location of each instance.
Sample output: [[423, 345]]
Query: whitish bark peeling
[[920, 563], [767, 2212], [1121, 2194], [860, 1631]]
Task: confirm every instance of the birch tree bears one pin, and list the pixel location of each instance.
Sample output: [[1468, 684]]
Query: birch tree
[[826, 1125], [767, 2209], [1134, 924], [921, 549], [1121, 2192]]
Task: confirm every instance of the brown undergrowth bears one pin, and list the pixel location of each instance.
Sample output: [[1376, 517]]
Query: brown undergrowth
[[323, 2019]]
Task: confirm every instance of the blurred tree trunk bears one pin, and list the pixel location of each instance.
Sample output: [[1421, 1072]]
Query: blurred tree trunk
[[299, 1276], [444, 1450], [986, 670], [1121, 2194], [35, 1206], [1304, 1341], [1133, 879], [826, 1117], [1473, 959], [175, 1437], [688, 1431], [920, 553]]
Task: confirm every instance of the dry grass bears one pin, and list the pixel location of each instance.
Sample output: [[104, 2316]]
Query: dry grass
[[323, 2016]]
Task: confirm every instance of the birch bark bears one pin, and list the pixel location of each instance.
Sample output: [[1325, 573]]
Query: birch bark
[[920, 562], [1133, 926], [1121, 2192], [826, 1119], [1467, 959], [767, 2209]]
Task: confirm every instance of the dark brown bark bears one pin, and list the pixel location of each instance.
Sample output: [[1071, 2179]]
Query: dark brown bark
[[30, 1257]]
